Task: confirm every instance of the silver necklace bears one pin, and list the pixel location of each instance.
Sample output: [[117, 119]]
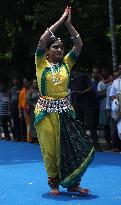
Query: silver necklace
[[55, 70]]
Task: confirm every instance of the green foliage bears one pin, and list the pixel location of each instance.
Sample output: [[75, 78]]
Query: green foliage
[[23, 21]]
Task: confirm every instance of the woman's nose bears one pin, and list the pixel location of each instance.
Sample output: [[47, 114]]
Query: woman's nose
[[59, 49]]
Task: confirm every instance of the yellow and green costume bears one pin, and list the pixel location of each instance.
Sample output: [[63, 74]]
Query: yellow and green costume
[[66, 149]]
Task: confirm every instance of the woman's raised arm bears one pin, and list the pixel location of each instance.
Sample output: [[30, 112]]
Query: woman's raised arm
[[74, 34], [50, 31]]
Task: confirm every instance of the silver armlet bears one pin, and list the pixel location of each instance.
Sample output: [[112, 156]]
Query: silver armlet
[[52, 34], [74, 37]]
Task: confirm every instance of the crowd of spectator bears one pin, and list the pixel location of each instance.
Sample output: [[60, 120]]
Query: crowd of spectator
[[96, 98], [92, 97], [17, 110]]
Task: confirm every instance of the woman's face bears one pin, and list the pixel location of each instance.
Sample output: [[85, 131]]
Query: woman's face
[[56, 51], [95, 73]]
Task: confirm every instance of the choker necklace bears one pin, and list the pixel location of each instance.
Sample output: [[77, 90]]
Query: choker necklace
[[55, 70]]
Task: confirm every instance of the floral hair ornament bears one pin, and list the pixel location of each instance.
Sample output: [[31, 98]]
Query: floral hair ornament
[[59, 40]]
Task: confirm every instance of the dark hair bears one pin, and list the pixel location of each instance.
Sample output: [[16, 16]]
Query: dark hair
[[116, 70], [105, 75], [53, 40]]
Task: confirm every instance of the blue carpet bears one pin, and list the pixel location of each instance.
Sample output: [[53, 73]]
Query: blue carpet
[[23, 180]]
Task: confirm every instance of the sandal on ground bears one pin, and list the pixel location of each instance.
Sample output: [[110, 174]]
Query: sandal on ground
[[55, 192]]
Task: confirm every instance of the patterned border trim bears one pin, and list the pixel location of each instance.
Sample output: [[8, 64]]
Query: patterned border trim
[[39, 53], [73, 56], [78, 173], [72, 113], [43, 81], [67, 71], [40, 116]]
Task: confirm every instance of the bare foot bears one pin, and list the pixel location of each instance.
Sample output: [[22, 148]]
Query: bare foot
[[83, 191], [54, 192], [79, 190]]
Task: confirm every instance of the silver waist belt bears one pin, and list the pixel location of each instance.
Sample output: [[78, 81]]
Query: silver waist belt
[[59, 105]]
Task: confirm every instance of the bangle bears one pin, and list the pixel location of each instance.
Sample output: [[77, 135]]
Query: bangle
[[74, 37], [52, 34]]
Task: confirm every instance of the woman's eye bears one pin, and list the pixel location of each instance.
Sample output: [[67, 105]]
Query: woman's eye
[[58, 47], [55, 47]]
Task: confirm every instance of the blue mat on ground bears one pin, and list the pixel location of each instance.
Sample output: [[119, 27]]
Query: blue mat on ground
[[23, 180]]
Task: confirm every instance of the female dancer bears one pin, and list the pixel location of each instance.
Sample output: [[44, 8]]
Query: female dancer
[[66, 149]]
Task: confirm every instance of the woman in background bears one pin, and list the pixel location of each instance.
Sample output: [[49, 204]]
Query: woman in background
[[32, 97]]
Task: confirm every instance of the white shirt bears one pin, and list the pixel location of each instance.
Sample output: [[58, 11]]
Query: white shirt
[[113, 106], [116, 87], [102, 87], [119, 128]]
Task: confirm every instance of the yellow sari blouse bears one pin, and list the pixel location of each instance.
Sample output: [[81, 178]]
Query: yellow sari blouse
[[47, 88]]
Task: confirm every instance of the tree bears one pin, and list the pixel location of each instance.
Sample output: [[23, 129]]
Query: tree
[[23, 21], [113, 36]]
